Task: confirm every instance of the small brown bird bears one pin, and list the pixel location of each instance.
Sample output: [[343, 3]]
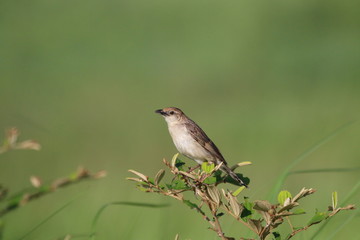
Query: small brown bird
[[191, 141]]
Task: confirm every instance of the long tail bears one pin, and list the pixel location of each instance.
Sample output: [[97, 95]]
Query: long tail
[[233, 175]]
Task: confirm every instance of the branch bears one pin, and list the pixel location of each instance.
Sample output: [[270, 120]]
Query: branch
[[39, 191], [334, 211]]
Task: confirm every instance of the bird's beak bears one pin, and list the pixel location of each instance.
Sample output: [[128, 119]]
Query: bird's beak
[[160, 111]]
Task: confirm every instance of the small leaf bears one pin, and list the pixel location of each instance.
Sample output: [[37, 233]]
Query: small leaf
[[234, 205], [210, 180], [179, 164], [283, 196], [287, 202], [214, 178], [193, 206], [207, 167], [173, 160], [100, 174], [11, 136], [288, 207], [276, 235], [190, 204], [299, 211], [142, 176], [220, 214], [142, 188], [218, 166], [298, 228], [178, 185], [334, 200], [303, 193], [177, 237], [277, 222], [318, 217], [73, 176], [150, 180], [28, 144], [35, 181], [262, 205], [241, 164], [267, 217], [248, 209], [159, 176], [224, 193], [214, 194], [134, 179], [238, 191], [256, 225]]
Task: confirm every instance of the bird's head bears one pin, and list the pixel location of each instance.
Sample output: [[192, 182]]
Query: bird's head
[[171, 114]]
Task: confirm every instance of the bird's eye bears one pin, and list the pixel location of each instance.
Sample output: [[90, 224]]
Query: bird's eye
[[171, 112]]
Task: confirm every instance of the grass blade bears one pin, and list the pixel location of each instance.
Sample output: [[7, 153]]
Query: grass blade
[[281, 179], [46, 219], [103, 207], [324, 170]]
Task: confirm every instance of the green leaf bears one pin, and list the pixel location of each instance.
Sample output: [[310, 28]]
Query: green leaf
[[15, 200], [73, 176], [283, 195], [276, 235], [44, 188], [179, 164], [297, 228], [190, 204], [318, 217], [238, 191], [248, 209], [334, 200], [177, 185], [299, 211], [143, 189], [207, 167], [150, 180], [193, 206], [210, 180], [214, 178], [220, 214]]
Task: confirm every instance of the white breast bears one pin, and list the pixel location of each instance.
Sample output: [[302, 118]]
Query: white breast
[[186, 145]]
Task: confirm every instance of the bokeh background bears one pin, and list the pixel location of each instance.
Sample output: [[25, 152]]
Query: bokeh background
[[265, 79]]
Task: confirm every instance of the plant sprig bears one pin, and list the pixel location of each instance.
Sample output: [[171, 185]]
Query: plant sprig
[[260, 216]]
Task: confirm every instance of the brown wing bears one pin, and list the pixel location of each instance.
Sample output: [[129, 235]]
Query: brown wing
[[200, 136]]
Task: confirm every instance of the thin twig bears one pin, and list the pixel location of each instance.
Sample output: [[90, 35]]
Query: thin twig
[[82, 174]]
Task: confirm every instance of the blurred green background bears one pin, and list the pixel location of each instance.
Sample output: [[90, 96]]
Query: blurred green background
[[265, 79]]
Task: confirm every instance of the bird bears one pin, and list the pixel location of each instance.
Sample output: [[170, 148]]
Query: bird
[[191, 141]]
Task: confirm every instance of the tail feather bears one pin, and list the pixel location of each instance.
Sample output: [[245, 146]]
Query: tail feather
[[233, 175]]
